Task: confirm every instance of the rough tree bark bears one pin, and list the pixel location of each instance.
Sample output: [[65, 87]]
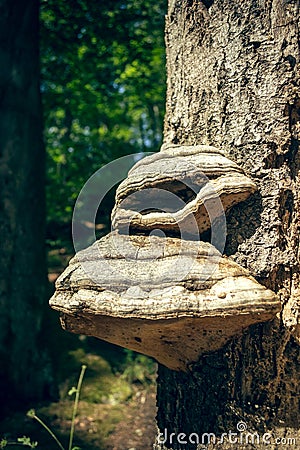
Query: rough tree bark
[[233, 82], [24, 367]]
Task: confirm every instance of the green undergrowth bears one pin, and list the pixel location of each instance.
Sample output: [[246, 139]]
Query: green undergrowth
[[106, 393], [113, 379], [101, 384]]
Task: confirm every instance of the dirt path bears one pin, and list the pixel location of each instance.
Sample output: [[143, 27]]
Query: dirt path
[[138, 430]]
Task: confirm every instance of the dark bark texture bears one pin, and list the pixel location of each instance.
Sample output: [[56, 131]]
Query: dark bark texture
[[24, 369], [233, 82]]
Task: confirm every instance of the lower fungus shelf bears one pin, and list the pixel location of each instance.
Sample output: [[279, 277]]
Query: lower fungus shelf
[[165, 297]]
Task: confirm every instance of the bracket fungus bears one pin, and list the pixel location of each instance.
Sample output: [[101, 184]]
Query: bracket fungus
[[171, 298], [206, 181], [165, 297]]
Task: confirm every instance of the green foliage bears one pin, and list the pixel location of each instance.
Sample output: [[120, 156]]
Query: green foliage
[[108, 394], [27, 442], [101, 385], [24, 441], [103, 86], [139, 369]]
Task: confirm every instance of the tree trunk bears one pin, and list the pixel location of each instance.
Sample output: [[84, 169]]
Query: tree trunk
[[233, 82], [25, 369]]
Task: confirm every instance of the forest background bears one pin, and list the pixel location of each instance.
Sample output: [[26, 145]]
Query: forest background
[[102, 81]]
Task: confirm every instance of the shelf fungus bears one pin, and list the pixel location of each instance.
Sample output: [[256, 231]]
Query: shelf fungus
[[178, 187], [169, 297], [165, 297]]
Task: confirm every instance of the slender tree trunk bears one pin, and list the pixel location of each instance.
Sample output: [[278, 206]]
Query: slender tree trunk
[[24, 369], [233, 82]]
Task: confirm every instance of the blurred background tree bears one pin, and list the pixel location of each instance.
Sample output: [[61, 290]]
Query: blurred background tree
[[25, 369]]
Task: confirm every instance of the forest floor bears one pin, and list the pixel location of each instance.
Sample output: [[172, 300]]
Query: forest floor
[[129, 425], [117, 404]]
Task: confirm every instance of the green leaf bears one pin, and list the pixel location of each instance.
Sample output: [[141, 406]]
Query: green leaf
[[72, 391], [27, 442], [31, 413]]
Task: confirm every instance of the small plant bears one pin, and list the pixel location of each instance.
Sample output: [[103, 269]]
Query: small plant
[[31, 413], [77, 394], [25, 441]]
